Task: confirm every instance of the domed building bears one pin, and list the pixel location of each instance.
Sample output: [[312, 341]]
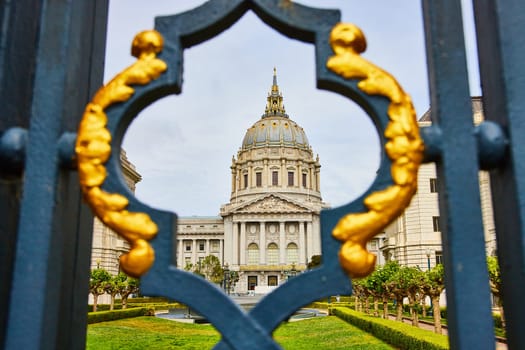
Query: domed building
[[270, 227]]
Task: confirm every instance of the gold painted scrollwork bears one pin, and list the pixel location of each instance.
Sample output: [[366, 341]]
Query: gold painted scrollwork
[[93, 149], [404, 147]]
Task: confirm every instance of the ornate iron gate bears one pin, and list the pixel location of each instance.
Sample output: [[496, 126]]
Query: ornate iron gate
[[44, 250]]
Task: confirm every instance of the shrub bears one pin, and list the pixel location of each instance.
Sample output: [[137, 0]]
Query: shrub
[[497, 320], [149, 300], [104, 307], [399, 335], [325, 305], [158, 306], [104, 316]]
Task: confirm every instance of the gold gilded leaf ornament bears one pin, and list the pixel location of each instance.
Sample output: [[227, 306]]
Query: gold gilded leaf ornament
[[93, 149], [404, 147]]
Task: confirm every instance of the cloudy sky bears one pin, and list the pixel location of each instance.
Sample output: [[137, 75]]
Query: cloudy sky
[[183, 145]]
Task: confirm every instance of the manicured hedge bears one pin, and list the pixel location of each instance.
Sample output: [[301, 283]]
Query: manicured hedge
[[149, 300], [104, 307], [157, 306], [399, 335], [325, 305], [104, 316]]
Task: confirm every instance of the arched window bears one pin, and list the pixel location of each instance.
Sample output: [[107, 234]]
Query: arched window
[[272, 254], [253, 254], [292, 256]]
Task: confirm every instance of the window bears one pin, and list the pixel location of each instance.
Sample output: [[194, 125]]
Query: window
[[304, 180], [245, 176], [252, 282], [433, 185], [201, 246], [253, 254], [214, 246], [291, 254], [275, 178], [435, 223], [258, 179], [272, 254], [439, 257], [187, 246], [187, 261], [272, 281], [290, 178]]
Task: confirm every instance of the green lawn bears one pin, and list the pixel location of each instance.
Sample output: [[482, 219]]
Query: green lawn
[[322, 333]]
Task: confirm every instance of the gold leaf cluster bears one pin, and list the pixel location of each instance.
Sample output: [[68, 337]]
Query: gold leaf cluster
[[404, 147], [93, 149]]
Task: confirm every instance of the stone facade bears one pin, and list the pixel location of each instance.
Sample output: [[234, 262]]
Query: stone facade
[[270, 227], [414, 239], [107, 246]]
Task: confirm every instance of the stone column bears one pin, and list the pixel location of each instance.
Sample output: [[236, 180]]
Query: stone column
[[316, 234], [262, 243], [194, 251], [299, 174], [221, 251], [235, 244], [207, 247], [284, 174], [282, 244], [250, 175], [242, 246], [266, 176], [180, 258], [234, 176], [302, 247], [309, 240], [228, 240], [238, 180], [317, 179]]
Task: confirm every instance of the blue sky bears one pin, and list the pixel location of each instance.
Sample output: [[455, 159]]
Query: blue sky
[[183, 144]]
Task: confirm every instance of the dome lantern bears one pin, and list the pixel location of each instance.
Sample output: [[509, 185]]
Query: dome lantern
[[275, 128], [274, 104]]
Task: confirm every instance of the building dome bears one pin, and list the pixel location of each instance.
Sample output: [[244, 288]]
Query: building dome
[[275, 158], [275, 131], [275, 128]]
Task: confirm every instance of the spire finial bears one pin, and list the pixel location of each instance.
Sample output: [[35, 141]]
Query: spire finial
[[275, 87], [274, 106]]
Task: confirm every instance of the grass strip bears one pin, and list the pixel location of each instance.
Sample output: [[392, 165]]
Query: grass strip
[[321, 333]]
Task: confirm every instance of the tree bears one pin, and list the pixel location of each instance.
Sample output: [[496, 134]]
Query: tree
[[495, 283], [97, 283], [126, 287], [433, 287], [211, 269], [372, 284], [376, 285], [358, 292], [397, 286], [113, 287], [315, 261], [384, 275], [415, 281], [362, 292]]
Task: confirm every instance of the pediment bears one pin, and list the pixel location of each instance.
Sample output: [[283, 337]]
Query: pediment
[[272, 204]]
